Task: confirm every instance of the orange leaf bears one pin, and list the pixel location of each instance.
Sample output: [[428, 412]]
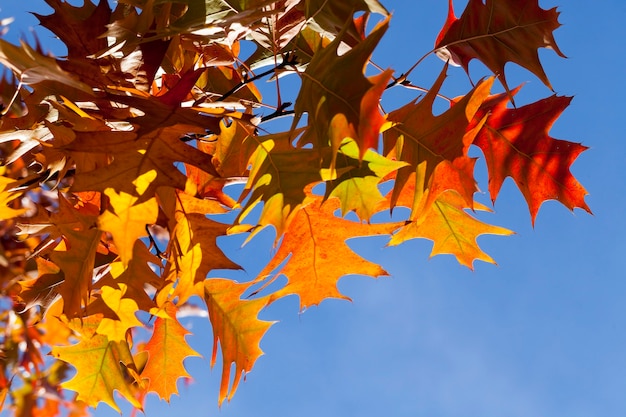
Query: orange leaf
[[278, 176], [357, 184], [7, 196], [236, 328], [316, 256], [43, 290], [135, 277], [167, 350], [451, 229], [157, 150], [194, 253], [115, 329], [77, 265]]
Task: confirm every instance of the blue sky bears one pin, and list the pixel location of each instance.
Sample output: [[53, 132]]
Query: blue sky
[[543, 333]]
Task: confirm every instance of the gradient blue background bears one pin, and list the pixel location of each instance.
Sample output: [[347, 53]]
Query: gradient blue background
[[541, 334]]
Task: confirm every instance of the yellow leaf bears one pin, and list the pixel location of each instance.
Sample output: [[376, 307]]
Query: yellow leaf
[[124, 308], [7, 196], [193, 254], [127, 222]]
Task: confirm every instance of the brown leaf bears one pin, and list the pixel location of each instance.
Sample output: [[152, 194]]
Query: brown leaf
[[339, 100], [79, 28]]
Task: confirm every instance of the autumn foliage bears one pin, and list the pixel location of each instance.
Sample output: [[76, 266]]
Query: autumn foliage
[[126, 160]]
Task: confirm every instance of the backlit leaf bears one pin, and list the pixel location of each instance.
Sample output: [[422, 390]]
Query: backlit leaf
[[127, 220], [167, 349], [516, 144], [497, 32], [315, 254], [451, 229], [99, 370], [236, 329]]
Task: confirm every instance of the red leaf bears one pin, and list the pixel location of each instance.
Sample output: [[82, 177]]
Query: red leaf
[[516, 144], [497, 32]]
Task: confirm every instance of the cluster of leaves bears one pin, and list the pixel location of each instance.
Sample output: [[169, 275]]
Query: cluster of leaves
[[116, 159]]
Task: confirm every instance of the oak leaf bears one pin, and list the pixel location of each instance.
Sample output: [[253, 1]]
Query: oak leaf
[[44, 289], [7, 197], [425, 140], [336, 16], [231, 150], [157, 151], [339, 100], [314, 255], [357, 184], [77, 264], [516, 143], [236, 328], [193, 254], [452, 230], [136, 278], [32, 68], [116, 299], [126, 220], [79, 28], [497, 32], [100, 369], [167, 350], [278, 175]]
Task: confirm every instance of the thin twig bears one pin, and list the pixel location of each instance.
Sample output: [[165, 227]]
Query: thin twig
[[159, 253]]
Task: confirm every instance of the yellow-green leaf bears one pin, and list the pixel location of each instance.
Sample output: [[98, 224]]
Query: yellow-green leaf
[[98, 370]]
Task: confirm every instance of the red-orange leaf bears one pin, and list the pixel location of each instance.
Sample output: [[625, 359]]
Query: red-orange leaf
[[167, 350], [425, 140], [236, 328], [497, 32], [516, 144]]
